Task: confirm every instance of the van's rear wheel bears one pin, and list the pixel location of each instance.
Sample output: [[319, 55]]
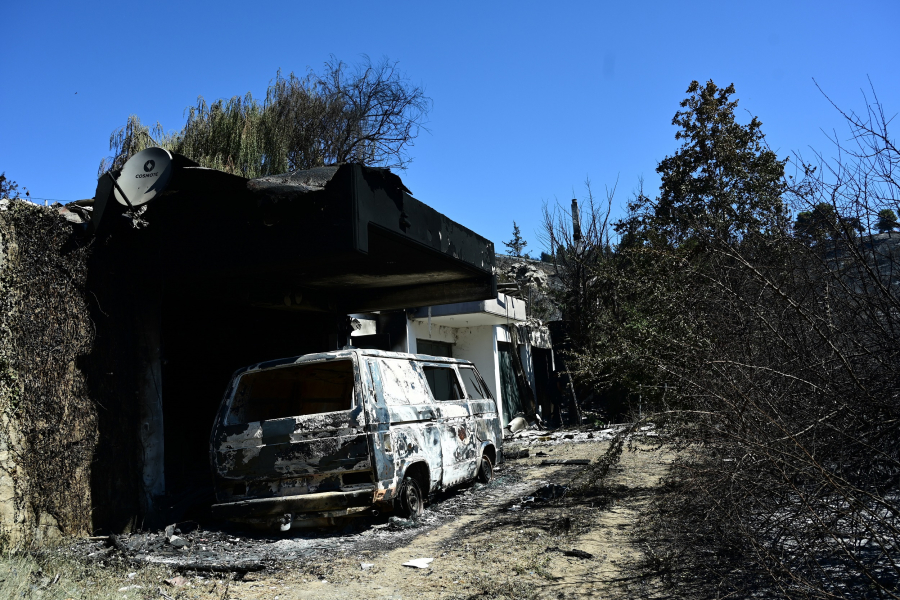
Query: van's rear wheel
[[410, 504], [486, 471]]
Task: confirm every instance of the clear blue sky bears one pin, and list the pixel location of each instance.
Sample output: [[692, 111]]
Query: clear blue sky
[[529, 98]]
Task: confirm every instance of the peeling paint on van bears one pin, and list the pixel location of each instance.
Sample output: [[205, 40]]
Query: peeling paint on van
[[294, 467]]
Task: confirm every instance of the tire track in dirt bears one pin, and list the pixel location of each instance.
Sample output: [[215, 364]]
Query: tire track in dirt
[[487, 544]]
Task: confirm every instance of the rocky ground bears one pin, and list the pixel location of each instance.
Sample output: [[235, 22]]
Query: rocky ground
[[528, 534]]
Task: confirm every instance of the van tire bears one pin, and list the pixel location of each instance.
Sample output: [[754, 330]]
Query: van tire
[[410, 503], [485, 471]]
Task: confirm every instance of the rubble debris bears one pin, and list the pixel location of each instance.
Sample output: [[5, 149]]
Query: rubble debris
[[366, 566], [225, 550], [400, 523], [565, 461], [419, 563], [543, 437], [117, 544], [515, 454], [177, 542], [574, 552], [516, 425], [551, 491]]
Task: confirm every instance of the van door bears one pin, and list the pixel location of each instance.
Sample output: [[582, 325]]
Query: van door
[[485, 419], [455, 423], [414, 435], [291, 430]]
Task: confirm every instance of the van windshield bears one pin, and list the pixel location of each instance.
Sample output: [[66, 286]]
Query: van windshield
[[292, 392]]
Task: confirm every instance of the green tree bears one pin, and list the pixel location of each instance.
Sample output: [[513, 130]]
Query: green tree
[[517, 244], [887, 220], [723, 180], [824, 222], [369, 114]]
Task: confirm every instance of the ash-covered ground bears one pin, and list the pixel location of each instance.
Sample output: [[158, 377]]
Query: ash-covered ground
[[224, 547]]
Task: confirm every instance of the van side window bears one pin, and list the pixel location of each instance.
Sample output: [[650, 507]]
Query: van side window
[[401, 382], [295, 391], [474, 386], [443, 383]]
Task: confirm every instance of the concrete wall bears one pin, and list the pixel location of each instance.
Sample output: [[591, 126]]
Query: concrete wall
[[479, 345], [19, 526], [438, 333]]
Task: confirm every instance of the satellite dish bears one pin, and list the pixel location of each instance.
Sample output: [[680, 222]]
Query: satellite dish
[[144, 177]]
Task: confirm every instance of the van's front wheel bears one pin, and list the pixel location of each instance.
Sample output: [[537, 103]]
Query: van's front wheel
[[410, 504]]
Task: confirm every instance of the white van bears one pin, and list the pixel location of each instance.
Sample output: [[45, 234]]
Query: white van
[[302, 440]]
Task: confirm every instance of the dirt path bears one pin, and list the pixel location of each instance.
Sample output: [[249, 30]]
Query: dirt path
[[526, 535], [496, 545]]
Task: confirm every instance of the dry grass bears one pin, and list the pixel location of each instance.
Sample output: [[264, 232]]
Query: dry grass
[[51, 576]]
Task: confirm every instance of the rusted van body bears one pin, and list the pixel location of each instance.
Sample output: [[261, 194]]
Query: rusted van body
[[324, 435]]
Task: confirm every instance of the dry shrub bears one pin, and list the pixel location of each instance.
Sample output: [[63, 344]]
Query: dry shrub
[[49, 423], [773, 362]]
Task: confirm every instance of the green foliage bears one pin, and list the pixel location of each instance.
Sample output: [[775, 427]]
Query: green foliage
[[517, 244], [772, 363], [368, 114], [887, 220], [823, 222], [723, 181]]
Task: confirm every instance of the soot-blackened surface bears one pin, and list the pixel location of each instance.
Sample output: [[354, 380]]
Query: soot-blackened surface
[[223, 546]]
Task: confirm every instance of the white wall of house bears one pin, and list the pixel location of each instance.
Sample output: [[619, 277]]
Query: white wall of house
[[479, 345], [438, 333]]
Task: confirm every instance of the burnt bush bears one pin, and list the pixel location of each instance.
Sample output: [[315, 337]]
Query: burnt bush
[[771, 357], [49, 424]]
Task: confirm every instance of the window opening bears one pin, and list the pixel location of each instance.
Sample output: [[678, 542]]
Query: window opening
[[434, 348], [295, 391], [475, 387], [443, 383]]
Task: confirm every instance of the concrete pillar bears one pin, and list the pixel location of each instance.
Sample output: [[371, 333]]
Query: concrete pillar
[[148, 312]]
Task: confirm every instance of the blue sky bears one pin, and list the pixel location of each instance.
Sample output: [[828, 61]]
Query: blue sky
[[530, 99]]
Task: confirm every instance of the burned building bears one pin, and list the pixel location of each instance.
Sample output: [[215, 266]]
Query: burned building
[[218, 272]]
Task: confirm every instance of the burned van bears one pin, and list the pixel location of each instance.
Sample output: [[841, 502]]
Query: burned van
[[302, 440]]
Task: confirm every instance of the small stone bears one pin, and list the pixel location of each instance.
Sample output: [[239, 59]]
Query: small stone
[[177, 542]]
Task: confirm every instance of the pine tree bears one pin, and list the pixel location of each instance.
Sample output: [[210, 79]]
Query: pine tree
[[887, 220], [516, 245], [723, 181]]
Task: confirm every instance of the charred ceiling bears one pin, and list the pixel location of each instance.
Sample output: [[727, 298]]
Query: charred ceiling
[[337, 239]]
